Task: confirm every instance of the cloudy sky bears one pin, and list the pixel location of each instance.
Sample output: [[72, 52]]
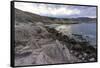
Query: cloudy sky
[[60, 11]]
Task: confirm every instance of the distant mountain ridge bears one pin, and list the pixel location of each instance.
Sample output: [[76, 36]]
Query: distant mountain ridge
[[23, 16]]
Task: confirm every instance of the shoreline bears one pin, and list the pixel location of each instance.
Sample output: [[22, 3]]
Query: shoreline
[[82, 49], [72, 23]]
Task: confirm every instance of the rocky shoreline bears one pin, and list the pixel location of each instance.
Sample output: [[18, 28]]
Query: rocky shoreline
[[77, 45], [37, 44]]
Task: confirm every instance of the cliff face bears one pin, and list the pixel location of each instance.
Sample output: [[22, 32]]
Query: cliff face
[[34, 45]]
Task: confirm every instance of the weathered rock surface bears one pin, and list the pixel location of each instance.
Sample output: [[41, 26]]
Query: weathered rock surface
[[35, 46]]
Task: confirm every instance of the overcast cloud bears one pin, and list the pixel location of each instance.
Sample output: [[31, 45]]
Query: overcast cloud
[[53, 10]]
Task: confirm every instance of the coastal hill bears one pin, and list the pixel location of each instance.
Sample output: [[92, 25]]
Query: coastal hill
[[23, 16], [27, 17]]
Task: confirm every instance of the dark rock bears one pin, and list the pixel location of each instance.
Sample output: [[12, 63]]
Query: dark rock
[[72, 41], [77, 47], [24, 54]]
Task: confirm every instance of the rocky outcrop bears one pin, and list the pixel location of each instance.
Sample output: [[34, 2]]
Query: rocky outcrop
[[77, 45], [34, 45]]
